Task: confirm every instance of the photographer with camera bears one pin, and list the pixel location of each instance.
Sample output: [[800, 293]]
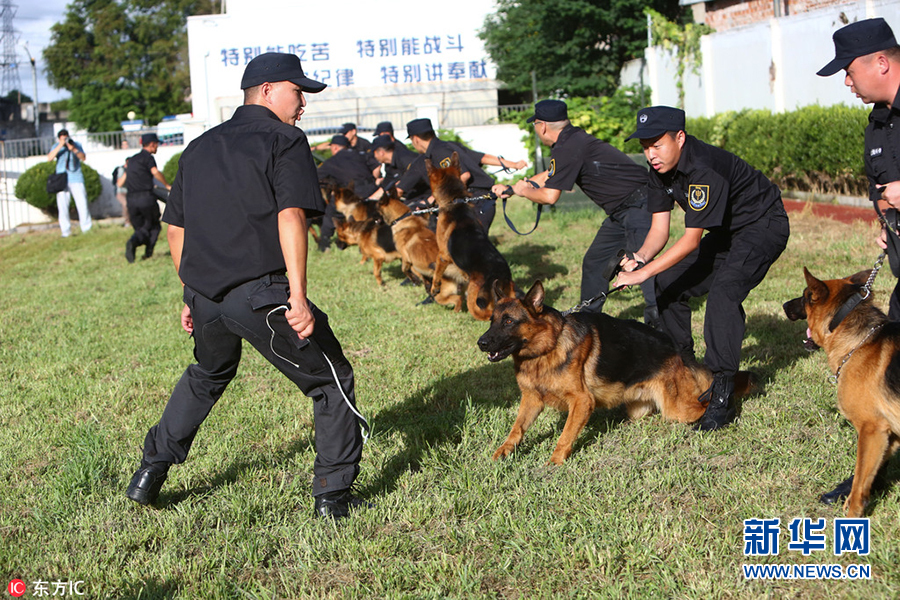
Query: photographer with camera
[[69, 155]]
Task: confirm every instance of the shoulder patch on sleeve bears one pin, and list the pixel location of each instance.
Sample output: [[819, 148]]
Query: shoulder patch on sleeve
[[552, 170], [445, 163], [698, 196]]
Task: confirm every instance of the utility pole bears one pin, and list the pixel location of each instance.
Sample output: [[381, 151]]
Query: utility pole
[[37, 110]]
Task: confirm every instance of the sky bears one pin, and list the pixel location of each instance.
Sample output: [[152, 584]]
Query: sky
[[32, 21]]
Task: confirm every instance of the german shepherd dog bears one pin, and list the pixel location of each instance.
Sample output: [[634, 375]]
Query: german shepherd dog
[[352, 206], [418, 250], [374, 240], [583, 361], [863, 350], [462, 241]]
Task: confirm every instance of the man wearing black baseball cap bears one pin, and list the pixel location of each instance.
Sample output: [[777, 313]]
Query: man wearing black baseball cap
[[747, 230], [141, 202], [868, 53], [612, 180], [237, 216]]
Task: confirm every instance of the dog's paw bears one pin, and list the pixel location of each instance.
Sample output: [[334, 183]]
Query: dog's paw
[[503, 451], [557, 458]]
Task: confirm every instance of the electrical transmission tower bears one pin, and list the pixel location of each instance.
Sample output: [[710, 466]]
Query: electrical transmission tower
[[9, 63]]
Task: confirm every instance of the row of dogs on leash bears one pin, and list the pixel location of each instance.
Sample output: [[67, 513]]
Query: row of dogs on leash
[[583, 361]]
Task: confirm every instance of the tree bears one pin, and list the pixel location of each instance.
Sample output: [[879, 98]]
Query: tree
[[115, 56], [575, 47]]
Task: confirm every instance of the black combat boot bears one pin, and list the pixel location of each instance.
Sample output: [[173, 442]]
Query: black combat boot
[[721, 408]]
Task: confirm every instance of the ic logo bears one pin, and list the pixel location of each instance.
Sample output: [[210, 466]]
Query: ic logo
[[16, 587]]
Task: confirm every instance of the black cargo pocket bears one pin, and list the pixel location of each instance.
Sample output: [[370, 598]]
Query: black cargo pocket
[[188, 295]]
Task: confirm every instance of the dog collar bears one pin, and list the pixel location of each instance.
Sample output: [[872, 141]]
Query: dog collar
[[848, 306]]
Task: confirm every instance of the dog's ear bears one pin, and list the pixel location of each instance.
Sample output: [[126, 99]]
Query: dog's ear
[[817, 288], [338, 222], [497, 291], [428, 166], [860, 278], [454, 160], [351, 186], [535, 297]]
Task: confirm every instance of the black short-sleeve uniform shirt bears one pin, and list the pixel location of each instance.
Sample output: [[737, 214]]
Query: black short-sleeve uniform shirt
[[882, 154], [439, 152], [414, 181], [346, 166], [231, 184], [139, 176], [401, 158], [603, 172], [714, 187]]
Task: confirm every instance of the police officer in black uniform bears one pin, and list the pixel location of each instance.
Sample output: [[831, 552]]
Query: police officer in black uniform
[[343, 168], [612, 180], [868, 52], [346, 166], [425, 141], [359, 144], [237, 231], [143, 208], [747, 231], [398, 160]]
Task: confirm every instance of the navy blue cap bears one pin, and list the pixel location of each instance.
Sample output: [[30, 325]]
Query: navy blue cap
[[347, 128], [656, 120], [858, 39], [550, 111], [273, 67], [382, 141], [384, 127], [340, 140], [418, 127], [148, 138]]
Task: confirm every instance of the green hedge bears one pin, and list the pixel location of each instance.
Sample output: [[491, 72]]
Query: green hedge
[[32, 185], [171, 168], [814, 148]]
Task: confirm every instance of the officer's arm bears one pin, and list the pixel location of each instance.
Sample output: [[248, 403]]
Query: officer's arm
[[293, 236], [683, 246], [157, 174], [175, 236], [490, 159], [656, 238]]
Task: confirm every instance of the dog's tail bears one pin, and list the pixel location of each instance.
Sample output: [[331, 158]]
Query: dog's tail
[[480, 295]]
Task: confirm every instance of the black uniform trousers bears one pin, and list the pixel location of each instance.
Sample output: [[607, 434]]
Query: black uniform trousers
[[625, 229], [894, 303], [219, 328], [727, 265], [143, 212], [484, 209]]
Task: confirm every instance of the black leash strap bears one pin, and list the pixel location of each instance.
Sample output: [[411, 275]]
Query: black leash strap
[[540, 207]]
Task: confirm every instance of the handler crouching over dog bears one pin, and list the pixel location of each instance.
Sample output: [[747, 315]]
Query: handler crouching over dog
[[237, 223], [748, 230], [612, 180]]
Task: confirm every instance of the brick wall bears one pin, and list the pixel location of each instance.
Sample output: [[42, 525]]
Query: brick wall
[[725, 14]]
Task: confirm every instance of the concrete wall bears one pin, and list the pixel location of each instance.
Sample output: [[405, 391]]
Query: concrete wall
[[768, 65]]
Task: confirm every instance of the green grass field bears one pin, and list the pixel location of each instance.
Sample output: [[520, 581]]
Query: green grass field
[[90, 348]]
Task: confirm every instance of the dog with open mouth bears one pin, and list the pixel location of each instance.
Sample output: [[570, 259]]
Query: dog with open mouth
[[863, 349], [584, 361]]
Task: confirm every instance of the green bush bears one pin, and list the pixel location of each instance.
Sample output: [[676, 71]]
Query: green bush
[[814, 148], [170, 170], [32, 185]]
